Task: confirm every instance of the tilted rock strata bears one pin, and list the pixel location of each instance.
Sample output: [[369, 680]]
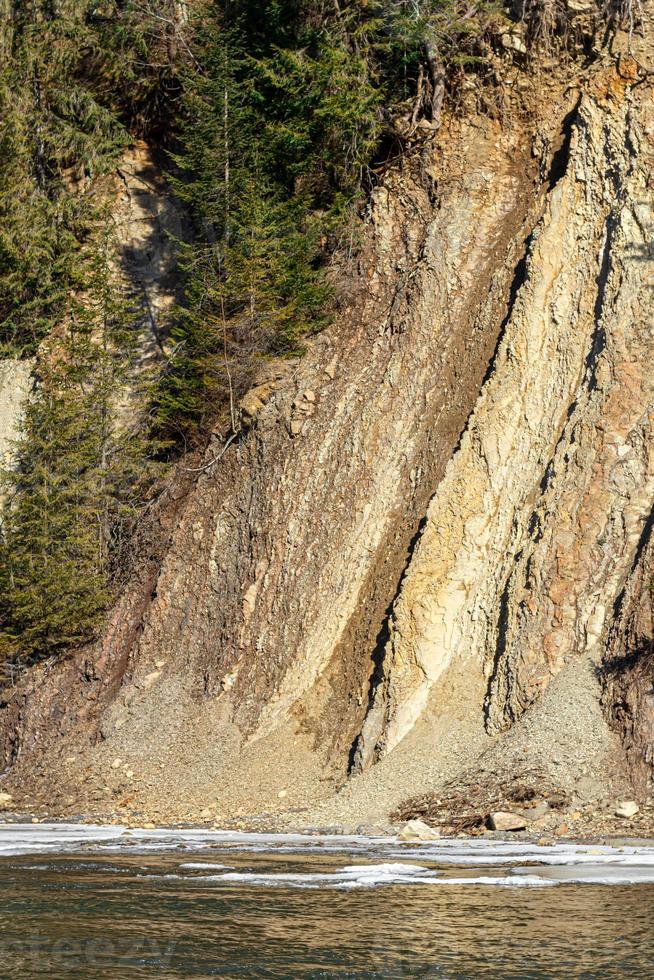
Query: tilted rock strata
[[274, 557], [533, 530], [628, 669], [282, 561]]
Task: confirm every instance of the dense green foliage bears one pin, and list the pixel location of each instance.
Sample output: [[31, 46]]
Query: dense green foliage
[[272, 144], [52, 135], [73, 76], [81, 472]]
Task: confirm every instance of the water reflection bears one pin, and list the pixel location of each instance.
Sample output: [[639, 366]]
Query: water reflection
[[135, 916]]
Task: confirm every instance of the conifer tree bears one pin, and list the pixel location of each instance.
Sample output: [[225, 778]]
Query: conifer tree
[[274, 137], [54, 136], [52, 587], [80, 475]]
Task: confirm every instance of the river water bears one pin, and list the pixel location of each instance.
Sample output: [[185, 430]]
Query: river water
[[85, 902]]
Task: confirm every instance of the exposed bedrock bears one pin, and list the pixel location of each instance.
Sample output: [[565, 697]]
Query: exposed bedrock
[[15, 384], [628, 670], [531, 534], [280, 572], [283, 560]]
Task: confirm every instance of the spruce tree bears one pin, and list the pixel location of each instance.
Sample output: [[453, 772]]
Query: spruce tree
[[274, 137], [53, 589], [81, 474]]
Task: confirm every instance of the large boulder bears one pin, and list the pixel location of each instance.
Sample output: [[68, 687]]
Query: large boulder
[[503, 820], [417, 830]]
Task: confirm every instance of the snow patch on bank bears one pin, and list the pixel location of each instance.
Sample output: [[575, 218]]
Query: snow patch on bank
[[523, 863]]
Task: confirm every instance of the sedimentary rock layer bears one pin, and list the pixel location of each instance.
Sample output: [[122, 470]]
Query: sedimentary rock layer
[[534, 528], [628, 668]]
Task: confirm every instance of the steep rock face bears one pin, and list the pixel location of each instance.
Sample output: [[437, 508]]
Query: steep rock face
[[15, 384], [533, 530], [267, 605], [448, 491], [287, 546], [628, 670]]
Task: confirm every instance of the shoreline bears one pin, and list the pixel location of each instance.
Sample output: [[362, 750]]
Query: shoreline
[[387, 832]]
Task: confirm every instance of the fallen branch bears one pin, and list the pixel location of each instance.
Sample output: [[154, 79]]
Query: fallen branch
[[206, 466]]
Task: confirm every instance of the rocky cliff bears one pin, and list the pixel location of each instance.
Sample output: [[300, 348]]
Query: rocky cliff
[[427, 553]]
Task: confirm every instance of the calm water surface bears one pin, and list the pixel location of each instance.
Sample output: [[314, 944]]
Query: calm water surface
[[239, 908]]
